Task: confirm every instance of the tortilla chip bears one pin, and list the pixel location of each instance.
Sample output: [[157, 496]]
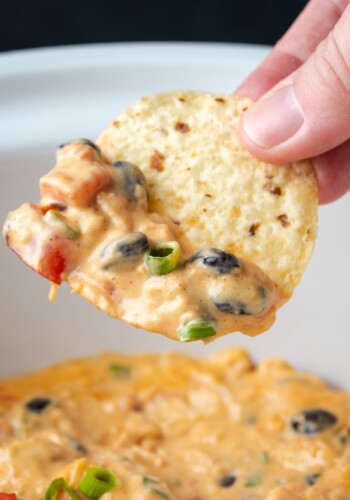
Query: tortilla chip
[[187, 145]]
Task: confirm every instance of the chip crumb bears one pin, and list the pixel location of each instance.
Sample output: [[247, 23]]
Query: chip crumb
[[283, 218], [183, 128], [116, 124], [273, 188], [157, 161], [253, 229]]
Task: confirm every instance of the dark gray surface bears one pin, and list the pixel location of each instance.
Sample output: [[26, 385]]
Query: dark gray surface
[[41, 23]]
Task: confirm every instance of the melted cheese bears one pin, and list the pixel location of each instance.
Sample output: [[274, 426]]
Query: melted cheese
[[200, 429], [87, 208], [53, 292]]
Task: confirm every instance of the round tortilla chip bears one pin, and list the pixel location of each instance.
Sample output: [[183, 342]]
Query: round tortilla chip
[[187, 145]]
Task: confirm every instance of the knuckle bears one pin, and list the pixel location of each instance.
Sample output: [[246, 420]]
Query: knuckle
[[338, 5], [332, 61]]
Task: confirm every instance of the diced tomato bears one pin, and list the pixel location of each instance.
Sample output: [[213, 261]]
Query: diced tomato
[[52, 265], [8, 496], [74, 182], [42, 248]]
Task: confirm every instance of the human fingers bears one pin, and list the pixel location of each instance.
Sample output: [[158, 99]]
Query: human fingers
[[333, 173], [307, 113], [311, 26]]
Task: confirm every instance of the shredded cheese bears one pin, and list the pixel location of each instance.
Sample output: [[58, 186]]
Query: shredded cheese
[[52, 292]]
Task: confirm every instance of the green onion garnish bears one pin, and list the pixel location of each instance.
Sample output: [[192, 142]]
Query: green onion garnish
[[97, 481], [153, 486], [120, 371], [163, 258], [56, 486], [251, 481], [197, 329], [55, 217]]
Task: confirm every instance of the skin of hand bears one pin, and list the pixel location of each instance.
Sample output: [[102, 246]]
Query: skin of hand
[[302, 90]]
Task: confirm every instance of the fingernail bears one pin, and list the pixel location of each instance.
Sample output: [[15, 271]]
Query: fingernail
[[273, 120]]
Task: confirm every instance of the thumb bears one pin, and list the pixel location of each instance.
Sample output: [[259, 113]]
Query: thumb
[[307, 113]]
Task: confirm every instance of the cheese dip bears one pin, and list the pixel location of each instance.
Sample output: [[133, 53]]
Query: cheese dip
[[93, 229], [172, 427]]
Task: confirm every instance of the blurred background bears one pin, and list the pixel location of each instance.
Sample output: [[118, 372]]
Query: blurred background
[[49, 97], [42, 23]]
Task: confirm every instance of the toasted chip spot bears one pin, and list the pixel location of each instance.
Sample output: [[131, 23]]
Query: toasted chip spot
[[273, 188], [157, 161], [116, 124], [236, 212], [232, 248], [183, 128], [253, 229], [193, 220], [283, 218], [220, 99]]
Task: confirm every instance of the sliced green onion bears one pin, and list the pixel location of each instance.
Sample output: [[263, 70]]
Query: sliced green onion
[[55, 217], [56, 486], [163, 258], [97, 481], [153, 486], [197, 329], [252, 481], [120, 371]]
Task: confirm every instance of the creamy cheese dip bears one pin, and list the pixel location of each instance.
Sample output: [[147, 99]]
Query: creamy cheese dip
[[93, 229], [172, 427]]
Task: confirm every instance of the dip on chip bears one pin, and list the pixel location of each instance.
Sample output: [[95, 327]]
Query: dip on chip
[[169, 225], [187, 146]]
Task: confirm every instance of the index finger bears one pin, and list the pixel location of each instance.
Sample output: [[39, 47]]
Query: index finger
[[311, 26]]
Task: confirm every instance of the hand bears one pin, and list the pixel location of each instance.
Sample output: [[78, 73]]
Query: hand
[[303, 87]]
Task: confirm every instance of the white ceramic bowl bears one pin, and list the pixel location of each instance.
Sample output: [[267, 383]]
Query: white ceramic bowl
[[49, 96]]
